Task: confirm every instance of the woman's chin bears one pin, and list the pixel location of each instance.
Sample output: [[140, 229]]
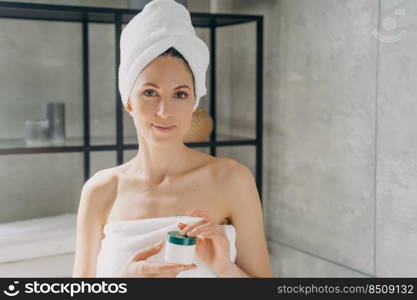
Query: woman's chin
[[166, 140], [165, 137]]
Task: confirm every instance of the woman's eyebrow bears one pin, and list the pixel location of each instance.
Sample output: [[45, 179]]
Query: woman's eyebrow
[[178, 87], [182, 86]]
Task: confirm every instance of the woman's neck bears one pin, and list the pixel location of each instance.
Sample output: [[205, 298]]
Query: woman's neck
[[155, 165]]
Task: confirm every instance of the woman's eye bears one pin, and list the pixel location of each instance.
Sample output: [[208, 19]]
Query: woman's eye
[[149, 94], [182, 93]]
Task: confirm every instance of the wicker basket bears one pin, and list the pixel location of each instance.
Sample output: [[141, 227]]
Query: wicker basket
[[201, 127]]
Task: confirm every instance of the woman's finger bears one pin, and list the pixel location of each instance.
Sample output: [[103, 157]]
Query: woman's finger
[[168, 275], [150, 267], [175, 268], [199, 229], [192, 226]]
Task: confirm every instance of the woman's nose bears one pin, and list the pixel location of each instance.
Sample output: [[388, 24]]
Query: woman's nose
[[163, 109]]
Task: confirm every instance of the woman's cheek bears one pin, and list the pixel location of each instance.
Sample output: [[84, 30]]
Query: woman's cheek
[[145, 108]]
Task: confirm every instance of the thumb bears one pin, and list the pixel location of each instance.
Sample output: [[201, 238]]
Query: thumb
[[143, 254], [182, 225]]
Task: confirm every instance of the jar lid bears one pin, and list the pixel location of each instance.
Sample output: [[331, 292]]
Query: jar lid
[[181, 239]]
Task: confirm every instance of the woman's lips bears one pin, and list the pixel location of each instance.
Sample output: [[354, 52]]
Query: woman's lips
[[163, 129]]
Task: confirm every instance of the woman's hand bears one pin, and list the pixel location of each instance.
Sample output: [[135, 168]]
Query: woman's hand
[[137, 266], [212, 243]]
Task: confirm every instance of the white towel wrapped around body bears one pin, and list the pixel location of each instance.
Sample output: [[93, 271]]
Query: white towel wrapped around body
[[160, 25], [123, 238]]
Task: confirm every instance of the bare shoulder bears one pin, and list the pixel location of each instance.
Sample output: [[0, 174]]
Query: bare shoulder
[[237, 184], [232, 172], [225, 171], [100, 190], [103, 179]]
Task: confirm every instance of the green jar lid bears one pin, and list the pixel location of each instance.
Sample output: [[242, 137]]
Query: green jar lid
[[183, 240]]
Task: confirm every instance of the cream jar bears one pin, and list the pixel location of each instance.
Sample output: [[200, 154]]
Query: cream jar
[[179, 249]]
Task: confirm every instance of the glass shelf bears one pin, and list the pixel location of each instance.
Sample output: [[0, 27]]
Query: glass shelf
[[69, 142], [74, 144], [21, 143], [221, 140]]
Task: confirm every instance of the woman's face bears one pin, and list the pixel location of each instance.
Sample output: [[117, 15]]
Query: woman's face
[[162, 95]]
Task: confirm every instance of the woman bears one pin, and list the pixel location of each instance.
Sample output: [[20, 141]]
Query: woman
[[167, 179]]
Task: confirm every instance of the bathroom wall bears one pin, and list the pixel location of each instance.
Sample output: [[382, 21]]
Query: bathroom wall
[[396, 138], [339, 132]]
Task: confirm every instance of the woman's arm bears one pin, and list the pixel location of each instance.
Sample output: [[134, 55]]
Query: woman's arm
[[246, 215], [96, 195]]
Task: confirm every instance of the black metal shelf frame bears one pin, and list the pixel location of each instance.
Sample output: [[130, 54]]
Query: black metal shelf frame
[[118, 17]]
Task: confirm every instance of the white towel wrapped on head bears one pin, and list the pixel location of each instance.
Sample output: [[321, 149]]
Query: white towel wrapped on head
[[160, 25]]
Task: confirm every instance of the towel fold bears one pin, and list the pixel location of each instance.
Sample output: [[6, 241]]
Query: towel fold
[[123, 238], [160, 25]]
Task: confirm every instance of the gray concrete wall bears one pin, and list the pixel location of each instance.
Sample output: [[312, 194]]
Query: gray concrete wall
[[396, 141], [339, 131]]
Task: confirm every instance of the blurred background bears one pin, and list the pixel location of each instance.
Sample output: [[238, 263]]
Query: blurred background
[[339, 189]]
